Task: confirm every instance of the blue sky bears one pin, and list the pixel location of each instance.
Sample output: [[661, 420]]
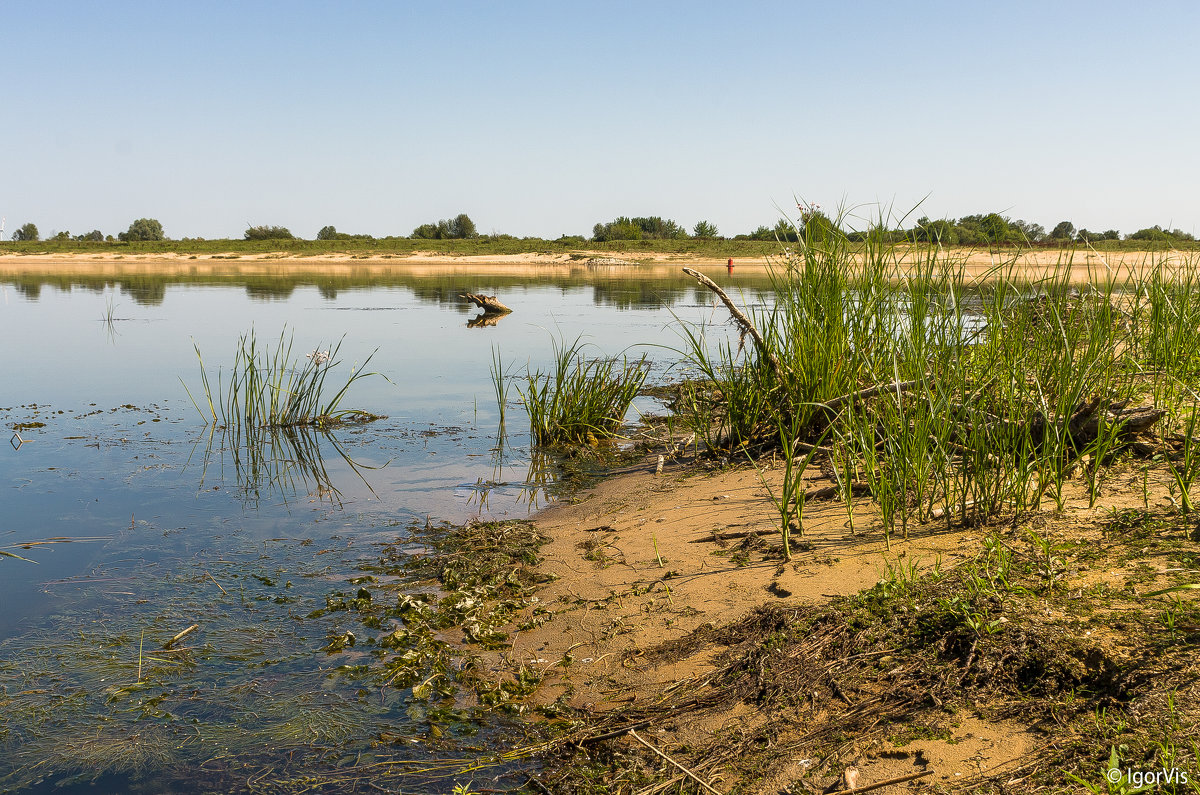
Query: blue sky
[[542, 118]]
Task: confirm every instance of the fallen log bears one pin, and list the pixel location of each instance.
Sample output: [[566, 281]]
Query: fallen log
[[488, 303], [740, 318], [1083, 424]]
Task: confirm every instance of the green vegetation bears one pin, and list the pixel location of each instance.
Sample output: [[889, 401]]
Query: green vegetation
[[268, 233], [460, 235], [27, 233], [946, 398], [460, 227], [143, 229], [267, 388], [579, 400], [1157, 234], [652, 228], [331, 233]]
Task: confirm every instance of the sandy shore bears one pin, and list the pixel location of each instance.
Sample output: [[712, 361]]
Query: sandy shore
[[1084, 265], [643, 560]]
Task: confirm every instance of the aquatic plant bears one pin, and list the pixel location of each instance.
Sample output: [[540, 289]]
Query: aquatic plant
[[580, 400], [267, 388], [948, 396]]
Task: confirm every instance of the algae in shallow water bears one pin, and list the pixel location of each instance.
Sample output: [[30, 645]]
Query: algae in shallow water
[[251, 693]]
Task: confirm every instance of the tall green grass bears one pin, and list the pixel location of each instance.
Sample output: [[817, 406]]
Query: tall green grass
[[580, 400], [267, 387], [1000, 386]]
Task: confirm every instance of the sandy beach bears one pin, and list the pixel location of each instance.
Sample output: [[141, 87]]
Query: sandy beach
[[1084, 265]]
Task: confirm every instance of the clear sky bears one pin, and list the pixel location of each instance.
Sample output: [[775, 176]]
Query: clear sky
[[542, 118]]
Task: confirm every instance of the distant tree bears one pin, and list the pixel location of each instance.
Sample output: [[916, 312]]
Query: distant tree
[[624, 228], [784, 231], [815, 225], [1158, 234], [1090, 236], [60, 236], [1064, 230], [974, 230], [705, 230], [331, 233], [94, 236], [620, 228], [462, 227], [995, 227], [268, 233], [927, 231], [1030, 232], [27, 233], [143, 229], [459, 227]]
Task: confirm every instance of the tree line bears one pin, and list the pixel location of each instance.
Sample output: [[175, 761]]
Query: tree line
[[969, 230]]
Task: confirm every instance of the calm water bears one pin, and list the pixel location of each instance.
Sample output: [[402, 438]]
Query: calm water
[[137, 522]]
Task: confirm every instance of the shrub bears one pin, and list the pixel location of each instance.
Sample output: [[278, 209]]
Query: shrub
[[27, 233], [652, 227], [460, 227], [143, 229], [268, 233]]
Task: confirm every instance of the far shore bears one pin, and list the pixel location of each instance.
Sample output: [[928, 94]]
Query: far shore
[[1085, 265]]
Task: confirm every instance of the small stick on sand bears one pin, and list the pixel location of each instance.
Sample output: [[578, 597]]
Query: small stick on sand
[[885, 783], [687, 772]]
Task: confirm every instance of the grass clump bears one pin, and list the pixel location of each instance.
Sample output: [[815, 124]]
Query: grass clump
[[267, 388], [946, 396], [580, 400]]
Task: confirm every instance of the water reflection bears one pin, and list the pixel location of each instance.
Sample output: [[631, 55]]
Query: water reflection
[[534, 491], [278, 461], [485, 319], [630, 289]]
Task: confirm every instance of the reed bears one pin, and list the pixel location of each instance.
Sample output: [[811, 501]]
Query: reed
[[580, 400], [500, 384], [267, 387], [1184, 466], [1010, 385]]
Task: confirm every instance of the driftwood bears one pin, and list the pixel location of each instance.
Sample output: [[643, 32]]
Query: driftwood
[[828, 411], [899, 387], [881, 784], [488, 303], [1083, 426], [740, 318]]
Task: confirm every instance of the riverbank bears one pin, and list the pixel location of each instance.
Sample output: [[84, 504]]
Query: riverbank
[[1084, 265], [672, 611]]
